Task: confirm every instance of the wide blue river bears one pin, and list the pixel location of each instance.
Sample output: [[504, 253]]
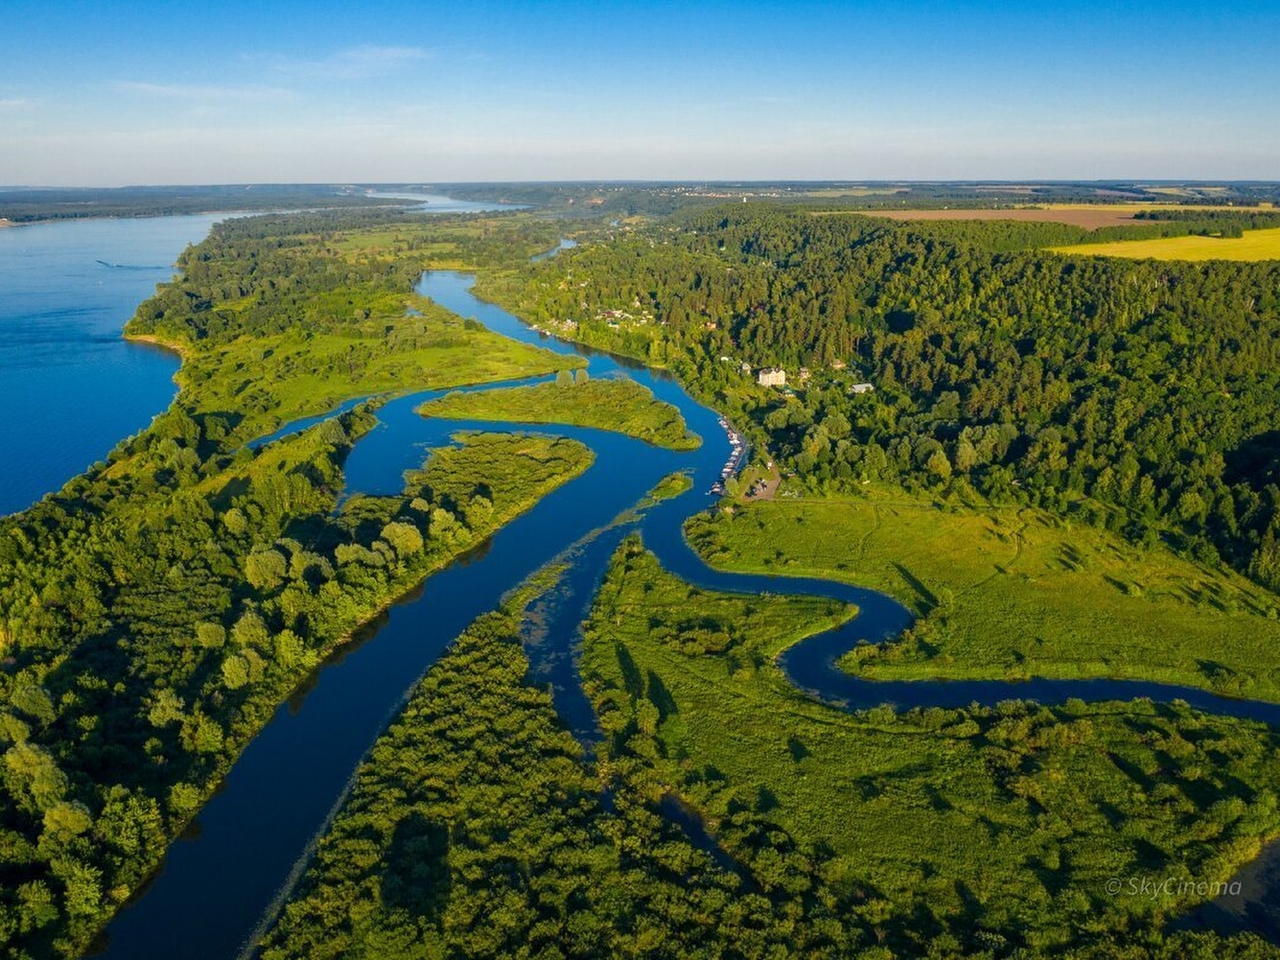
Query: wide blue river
[[219, 885], [70, 387]]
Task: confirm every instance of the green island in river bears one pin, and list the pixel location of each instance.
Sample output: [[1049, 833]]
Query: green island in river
[[1064, 467], [621, 405]]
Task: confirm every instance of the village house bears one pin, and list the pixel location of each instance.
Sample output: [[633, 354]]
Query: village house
[[772, 377], [862, 388], [838, 364]]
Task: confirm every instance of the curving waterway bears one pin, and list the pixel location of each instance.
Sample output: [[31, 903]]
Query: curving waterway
[[252, 838]]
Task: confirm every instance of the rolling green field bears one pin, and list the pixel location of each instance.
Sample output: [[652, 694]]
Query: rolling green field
[[1255, 245], [1009, 593], [621, 405], [991, 828], [271, 380]]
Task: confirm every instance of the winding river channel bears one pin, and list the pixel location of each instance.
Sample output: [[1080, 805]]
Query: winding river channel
[[225, 878]]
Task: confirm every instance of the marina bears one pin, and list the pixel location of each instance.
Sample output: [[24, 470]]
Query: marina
[[737, 456]]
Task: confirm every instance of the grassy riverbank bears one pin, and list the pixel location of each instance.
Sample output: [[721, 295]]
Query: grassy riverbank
[[296, 590], [1011, 593], [476, 826], [621, 405]]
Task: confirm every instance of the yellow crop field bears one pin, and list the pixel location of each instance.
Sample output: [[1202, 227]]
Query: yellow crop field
[[1133, 206], [1254, 245]]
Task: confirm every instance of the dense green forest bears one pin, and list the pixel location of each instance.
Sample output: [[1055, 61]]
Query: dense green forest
[[1138, 396], [155, 611], [476, 829], [148, 645], [1013, 235]]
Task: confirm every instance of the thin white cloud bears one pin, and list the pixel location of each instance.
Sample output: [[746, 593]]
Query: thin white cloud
[[356, 63], [12, 103], [201, 92]]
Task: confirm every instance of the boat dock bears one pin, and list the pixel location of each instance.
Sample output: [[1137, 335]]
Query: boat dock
[[738, 453]]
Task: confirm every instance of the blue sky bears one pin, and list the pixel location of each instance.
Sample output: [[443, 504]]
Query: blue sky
[[111, 93]]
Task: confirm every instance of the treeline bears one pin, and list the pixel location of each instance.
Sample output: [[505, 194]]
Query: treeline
[[660, 199], [1007, 236], [1233, 220], [585, 201], [1139, 395], [23, 206]]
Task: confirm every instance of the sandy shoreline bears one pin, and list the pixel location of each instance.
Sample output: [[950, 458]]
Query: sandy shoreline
[[179, 348]]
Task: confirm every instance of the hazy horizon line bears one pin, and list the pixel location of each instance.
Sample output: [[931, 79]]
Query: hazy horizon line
[[669, 181]]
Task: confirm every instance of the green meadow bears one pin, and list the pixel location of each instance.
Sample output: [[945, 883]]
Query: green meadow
[[270, 380], [621, 405], [1004, 592]]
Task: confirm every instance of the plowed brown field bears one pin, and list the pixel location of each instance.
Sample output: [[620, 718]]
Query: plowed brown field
[[1089, 219]]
